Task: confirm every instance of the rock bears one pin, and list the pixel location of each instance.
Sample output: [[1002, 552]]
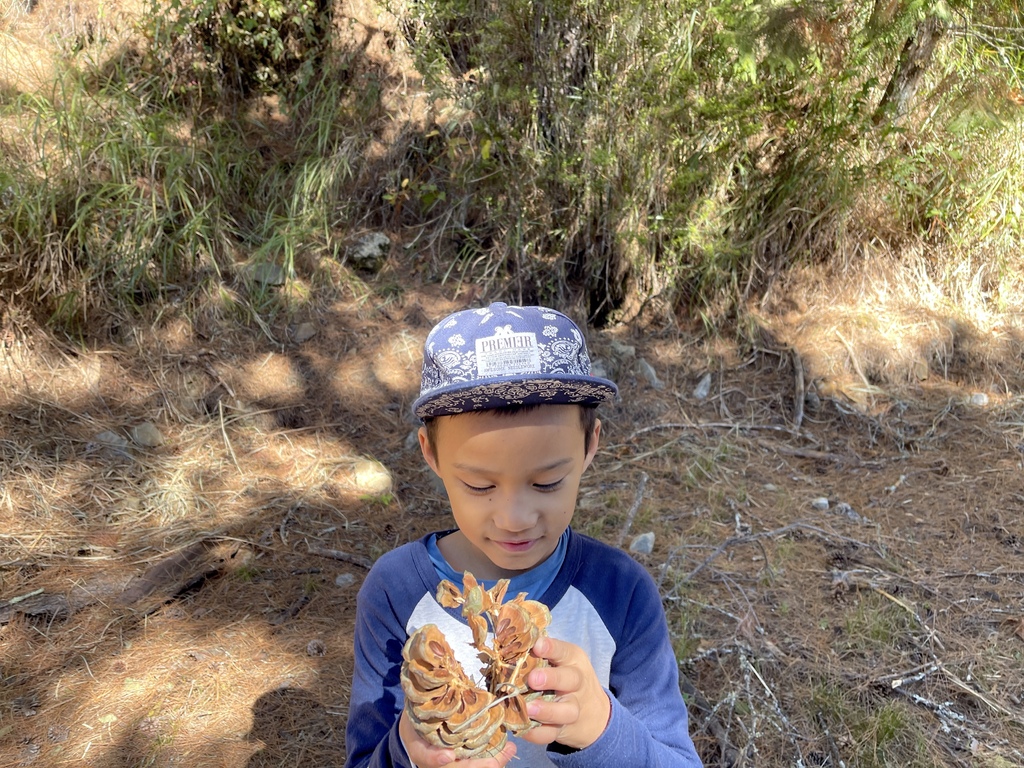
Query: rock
[[920, 367], [650, 375], [147, 435], [812, 402], [372, 478], [109, 439], [623, 351], [845, 510], [303, 332], [703, 388], [770, 487], [344, 580], [820, 504], [979, 399], [643, 544], [370, 252], [267, 274], [599, 369], [412, 440], [316, 648]]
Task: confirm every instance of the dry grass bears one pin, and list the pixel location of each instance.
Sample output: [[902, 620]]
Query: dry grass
[[192, 603], [792, 624]]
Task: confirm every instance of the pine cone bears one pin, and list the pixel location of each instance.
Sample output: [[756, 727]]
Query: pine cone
[[445, 706]]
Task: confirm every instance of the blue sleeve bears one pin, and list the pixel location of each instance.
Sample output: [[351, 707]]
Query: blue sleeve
[[371, 736], [648, 726]]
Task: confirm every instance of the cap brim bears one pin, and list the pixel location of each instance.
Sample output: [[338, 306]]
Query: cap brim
[[463, 397]]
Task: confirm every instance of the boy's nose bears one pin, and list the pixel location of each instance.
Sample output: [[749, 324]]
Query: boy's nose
[[514, 514]]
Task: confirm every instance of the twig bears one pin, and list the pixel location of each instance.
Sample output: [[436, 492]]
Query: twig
[[291, 611], [833, 748], [778, 708], [731, 757], [631, 515], [337, 554], [224, 432], [856, 365], [750, 538], [27, 595], [941, 709], [722, 425], [798, 395], [805, 453]]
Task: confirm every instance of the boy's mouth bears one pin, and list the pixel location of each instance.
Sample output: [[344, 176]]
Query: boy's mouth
[[516, 546]]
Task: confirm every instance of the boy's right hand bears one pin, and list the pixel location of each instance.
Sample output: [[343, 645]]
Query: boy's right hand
[[423, 754]]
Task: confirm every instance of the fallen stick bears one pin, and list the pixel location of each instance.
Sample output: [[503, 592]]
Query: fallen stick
[[800, 391], [631, 515], [337, 554]]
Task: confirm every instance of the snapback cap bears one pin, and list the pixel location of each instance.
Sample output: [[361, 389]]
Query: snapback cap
[[501, 355]]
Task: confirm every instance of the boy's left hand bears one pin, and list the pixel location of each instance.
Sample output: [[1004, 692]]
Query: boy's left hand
[[581, 710]]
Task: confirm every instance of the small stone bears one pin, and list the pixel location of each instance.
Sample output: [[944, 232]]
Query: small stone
[[147, 435], [267, 274], [303, 332], [820, 504], [412, 440], [648, 372], [643, 544], [812, 401], [316, 648], [344, 580], [979, 399], [770, 487], [845, 510], [370, 252], [921, 369], [599, 369], [372, 478], [623, 351], [703, 388], [109, 439]]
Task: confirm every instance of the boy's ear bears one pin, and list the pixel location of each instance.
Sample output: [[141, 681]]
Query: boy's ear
[[427, 449], [595, 441]]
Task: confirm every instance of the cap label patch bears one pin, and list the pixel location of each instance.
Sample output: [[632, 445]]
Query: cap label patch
[[507, 353]]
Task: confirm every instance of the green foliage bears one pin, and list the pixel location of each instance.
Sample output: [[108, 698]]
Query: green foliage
[[117, 197], [213, 48], [588, 153], [613, 148]]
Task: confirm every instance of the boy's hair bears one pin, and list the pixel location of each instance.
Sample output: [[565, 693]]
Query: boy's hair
[[588, 419], [500, 356]]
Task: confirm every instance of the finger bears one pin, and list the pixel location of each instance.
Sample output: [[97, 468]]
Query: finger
[[557, 652], [562, 680], [558, 713], [498, 761], [541, 734], [431, 757]]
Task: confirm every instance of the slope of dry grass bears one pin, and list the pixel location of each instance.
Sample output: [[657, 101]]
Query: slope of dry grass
[[189, 601]]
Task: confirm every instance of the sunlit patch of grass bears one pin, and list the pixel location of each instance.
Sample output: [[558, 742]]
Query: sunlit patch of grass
[[874, 625]]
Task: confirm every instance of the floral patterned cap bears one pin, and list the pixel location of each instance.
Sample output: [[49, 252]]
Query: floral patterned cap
[[497, 356]]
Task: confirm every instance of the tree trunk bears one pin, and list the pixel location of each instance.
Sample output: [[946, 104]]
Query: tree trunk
[[914, 60]]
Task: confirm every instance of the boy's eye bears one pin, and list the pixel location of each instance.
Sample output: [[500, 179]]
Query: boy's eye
[[548, 486], [477, 488]]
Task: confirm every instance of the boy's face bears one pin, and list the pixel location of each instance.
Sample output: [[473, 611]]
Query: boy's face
[[512, 482]]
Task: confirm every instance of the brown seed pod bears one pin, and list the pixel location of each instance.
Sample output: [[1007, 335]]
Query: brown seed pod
[[444, 704]]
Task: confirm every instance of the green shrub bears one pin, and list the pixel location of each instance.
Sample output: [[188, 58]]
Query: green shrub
[[235, 48], [610, 150]]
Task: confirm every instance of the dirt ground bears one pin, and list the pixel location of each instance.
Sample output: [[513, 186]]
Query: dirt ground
[[189, 506], [191, 603]]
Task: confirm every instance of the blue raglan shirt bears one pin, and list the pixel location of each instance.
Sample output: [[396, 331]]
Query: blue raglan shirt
[[600, 599]]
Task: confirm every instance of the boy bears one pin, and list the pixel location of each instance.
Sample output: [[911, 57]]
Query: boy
[[508, 406]]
